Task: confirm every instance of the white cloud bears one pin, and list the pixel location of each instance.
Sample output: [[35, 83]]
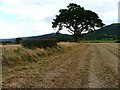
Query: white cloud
[[9, 30], [110, 16], [41, 13], [35, 13]]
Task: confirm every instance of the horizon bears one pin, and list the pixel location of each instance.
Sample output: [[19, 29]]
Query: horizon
[[23, 18], [53, 33]]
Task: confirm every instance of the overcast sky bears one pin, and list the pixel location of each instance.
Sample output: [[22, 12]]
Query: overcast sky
[[20, 18]]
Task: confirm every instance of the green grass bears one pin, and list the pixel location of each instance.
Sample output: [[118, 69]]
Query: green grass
[[98, 41]]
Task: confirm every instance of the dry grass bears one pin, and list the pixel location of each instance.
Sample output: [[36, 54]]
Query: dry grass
[[11, 46], [79, 66], [16, 54], [68, 44]]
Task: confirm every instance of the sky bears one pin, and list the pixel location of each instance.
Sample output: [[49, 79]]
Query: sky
[[21, 18]]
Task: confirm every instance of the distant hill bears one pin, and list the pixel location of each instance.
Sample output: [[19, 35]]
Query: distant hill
[[59, 37], [12, 40], [108, 32], [51, 35]]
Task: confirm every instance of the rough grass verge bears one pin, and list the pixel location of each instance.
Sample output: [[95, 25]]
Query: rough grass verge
[[16, 55]]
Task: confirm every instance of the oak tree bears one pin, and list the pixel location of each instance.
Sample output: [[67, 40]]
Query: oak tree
[[76, 20]]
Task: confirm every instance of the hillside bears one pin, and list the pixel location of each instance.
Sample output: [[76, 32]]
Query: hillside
[[107, 32], [59, 37]]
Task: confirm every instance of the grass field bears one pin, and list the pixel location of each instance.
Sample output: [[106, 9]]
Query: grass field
[[98, 41], [70, 65]]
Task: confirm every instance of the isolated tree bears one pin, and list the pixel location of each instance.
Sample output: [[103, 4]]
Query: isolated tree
[[18, 40], [76, 20]]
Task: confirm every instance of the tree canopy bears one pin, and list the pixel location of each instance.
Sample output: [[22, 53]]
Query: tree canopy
[[76, 20]]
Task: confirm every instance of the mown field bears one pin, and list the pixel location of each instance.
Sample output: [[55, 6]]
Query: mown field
[[69, 65]]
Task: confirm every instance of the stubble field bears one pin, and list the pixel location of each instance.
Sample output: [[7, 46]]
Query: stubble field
[[78, 65]]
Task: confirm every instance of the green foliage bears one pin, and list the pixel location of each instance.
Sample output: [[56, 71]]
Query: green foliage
[[98, 41], [18, 40], [64, 39], [6, 42], [107, 32], [118, 41], [40, 43], [76, 19]]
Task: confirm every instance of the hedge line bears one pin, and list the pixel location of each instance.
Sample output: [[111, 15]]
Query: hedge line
[[39, 43]]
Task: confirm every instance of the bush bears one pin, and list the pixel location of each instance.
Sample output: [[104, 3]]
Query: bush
[[6, 42], [65, 39], [40, 43], [118, 41], [18, 40]]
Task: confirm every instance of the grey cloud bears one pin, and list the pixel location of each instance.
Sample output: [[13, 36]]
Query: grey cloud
[[48, 19]]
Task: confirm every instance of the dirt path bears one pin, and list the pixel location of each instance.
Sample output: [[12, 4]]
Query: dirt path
[[88, 65], [104, 67]]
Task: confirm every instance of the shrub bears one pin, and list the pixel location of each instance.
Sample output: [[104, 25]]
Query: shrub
[[18, 40], [40, 43], [65, 39], [118, 41], [6, 42]]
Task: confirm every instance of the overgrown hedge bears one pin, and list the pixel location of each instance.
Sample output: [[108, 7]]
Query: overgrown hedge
[[64, 39], [40, 43]]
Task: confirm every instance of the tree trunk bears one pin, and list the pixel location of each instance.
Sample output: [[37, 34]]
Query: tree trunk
[[76, 37]]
